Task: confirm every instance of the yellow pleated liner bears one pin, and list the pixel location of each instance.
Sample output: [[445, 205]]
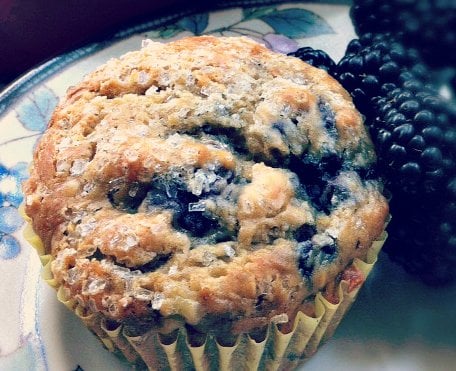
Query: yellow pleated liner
[[276, 351]]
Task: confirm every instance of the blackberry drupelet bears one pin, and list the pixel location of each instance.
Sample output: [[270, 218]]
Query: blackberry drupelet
[[372, 63], [428, 25], [315, 57]]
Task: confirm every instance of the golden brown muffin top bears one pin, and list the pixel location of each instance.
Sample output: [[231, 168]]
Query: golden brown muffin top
[[206, 176]]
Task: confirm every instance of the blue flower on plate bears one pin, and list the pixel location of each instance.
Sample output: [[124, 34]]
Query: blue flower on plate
[[36, 110], [10, 184], [10, 198]]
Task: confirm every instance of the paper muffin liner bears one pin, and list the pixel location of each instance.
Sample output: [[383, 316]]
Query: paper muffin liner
[[275, 351]]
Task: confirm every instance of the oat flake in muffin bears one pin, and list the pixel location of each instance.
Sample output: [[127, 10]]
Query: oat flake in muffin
[[208, 180]]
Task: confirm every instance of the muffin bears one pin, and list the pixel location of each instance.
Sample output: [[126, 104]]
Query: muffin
[[206, 203]]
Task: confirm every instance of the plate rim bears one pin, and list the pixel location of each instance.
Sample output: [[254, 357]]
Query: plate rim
[[29, 79]]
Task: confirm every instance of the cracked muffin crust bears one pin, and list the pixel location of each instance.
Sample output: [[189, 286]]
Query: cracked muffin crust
[[208, 180]]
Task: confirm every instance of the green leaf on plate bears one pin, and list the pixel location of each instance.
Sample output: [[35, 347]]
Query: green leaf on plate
[[254, 13], [297, 23], [195, 23], [169, 31]]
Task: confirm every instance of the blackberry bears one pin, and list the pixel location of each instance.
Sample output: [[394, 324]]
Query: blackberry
[[372, 64], [410, 124], [413, 130], [423, 235], [428, 25], [315, 57], [415, 138]]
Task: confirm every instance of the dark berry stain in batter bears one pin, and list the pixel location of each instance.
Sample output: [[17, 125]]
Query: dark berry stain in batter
[[150, 266], [228, 136], [198, 223], [328, 117], [310, 256], [315, 176], [305, 232], [154, 264], [126, 196], [189, 213], [305, 261], [280, 127]]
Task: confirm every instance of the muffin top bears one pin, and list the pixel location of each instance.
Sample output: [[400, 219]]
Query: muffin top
[[204, 178]]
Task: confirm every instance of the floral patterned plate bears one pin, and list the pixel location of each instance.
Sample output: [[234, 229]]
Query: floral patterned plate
[[396, 324]]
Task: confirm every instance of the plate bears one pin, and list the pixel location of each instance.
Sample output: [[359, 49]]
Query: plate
[[396, 324]]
